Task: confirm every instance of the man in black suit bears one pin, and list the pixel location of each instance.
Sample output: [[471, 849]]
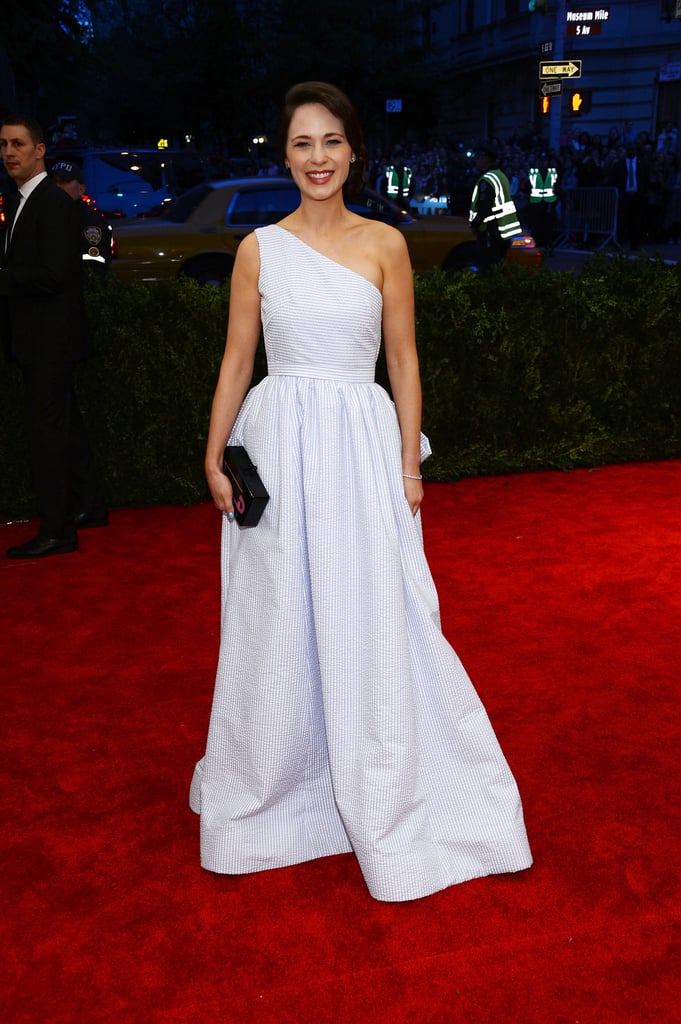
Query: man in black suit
[[630, 175], [43, 316]]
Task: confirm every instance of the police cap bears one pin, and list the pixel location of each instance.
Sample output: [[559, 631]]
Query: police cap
[[67, 171]]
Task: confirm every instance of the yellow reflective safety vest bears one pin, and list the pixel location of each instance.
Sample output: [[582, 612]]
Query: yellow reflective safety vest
[[542, 186], [503, 210]]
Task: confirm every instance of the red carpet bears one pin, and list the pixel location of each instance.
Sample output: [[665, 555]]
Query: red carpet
[[562, 594]]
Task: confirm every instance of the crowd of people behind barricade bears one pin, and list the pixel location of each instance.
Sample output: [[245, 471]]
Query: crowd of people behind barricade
[[649, 187]]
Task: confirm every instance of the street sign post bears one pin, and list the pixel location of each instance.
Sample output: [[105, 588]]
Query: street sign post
[[552, 88], [567, 69]]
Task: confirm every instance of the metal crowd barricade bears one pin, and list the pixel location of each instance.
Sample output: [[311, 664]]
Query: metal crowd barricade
[[588, 214]]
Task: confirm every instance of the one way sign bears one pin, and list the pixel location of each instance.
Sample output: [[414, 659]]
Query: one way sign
[[568, 69]]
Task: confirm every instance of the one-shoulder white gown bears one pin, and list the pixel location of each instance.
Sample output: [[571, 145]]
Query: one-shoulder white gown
[[342, 719]]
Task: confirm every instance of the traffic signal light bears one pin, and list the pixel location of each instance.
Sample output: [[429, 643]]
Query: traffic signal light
[[538, 6], [579, 101]]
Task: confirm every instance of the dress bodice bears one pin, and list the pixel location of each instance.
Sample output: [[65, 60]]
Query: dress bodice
[[320, 319]]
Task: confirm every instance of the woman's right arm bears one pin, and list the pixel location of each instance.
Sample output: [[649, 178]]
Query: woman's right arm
[[236, 371]]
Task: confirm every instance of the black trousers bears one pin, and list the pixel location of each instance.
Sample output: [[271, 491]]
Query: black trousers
[[631, 218], [62, 463], [541, 222], [492, 249]]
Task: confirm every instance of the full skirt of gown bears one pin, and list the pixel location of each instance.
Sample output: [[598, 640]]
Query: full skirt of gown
[[342, 719]]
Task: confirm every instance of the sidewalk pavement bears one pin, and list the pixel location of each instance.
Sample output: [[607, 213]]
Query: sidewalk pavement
[[572, 258]]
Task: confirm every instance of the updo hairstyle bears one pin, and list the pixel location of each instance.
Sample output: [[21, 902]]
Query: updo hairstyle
[[338, 104]]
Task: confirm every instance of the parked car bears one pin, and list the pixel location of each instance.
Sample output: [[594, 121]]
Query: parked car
[[200, 232], [138, 182]]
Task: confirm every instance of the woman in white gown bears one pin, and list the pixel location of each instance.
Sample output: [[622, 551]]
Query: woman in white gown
[[342, 719]]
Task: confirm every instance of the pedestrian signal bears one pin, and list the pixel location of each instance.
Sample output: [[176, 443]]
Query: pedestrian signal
[[545, 105], [580, 101]]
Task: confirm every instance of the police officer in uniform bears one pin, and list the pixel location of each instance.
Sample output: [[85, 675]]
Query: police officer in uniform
[[96, 240], [493, 216], [95, 230]]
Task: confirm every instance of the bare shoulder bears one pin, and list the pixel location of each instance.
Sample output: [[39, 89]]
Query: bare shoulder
[[249, 245], [248, 255], [385, 239]]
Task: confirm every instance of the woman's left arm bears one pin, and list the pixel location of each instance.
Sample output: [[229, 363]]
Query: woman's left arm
[[399, 338]]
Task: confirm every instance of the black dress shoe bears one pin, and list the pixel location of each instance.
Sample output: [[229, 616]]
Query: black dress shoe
[[41, 547], [85, 520]]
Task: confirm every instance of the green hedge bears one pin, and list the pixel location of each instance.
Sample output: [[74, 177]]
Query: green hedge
[[520, 370], [546, 370]]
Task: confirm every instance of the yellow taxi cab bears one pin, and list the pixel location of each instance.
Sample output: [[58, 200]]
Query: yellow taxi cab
[[199, 232]]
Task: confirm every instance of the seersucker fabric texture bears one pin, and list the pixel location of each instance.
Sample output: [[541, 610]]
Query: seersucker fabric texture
[[342, 718]]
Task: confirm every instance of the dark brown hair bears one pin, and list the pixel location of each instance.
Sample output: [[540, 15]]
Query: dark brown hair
[[29, 123], [338, 104]]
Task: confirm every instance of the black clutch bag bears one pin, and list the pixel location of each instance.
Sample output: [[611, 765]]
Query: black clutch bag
[[249, 494]]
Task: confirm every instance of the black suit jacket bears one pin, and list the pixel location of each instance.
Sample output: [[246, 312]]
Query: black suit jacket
[[41, 290], [620, 173]]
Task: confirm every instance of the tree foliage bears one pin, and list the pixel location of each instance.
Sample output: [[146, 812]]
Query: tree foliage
[[373, 50], [136, 70], [45, 42]]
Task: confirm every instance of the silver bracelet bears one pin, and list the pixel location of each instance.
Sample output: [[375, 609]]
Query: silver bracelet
[[409, 476]]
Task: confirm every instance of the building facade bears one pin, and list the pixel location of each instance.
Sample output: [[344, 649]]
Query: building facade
[[627, 56]]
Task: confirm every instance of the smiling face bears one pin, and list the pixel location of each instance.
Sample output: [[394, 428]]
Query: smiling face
[[23, 158], [317, 151]]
